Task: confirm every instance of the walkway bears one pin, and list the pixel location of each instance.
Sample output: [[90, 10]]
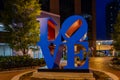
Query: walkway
[[8, 75], [102, 63]]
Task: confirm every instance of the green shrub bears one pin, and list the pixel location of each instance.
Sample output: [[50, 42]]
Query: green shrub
[[8, 62], [115, 61]]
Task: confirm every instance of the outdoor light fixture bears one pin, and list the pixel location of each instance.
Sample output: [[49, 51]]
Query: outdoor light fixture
[[99, 47]]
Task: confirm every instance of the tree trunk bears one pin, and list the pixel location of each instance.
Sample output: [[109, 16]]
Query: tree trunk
[[25, 51]]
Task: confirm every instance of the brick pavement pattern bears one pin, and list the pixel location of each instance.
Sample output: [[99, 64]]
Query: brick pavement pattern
[[8, 75], [102, 63]]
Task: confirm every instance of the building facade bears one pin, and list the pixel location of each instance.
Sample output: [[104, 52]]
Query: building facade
[[66, 8], [5, 50], [112, 10], [105, 48]]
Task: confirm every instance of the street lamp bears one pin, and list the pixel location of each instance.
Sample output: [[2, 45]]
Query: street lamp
[[99, 47]]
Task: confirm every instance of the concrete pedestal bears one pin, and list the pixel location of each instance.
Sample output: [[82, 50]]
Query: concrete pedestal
[[64, 75]]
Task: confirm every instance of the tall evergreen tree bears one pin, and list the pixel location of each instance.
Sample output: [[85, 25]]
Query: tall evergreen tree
[[116, 33], [19, 19]]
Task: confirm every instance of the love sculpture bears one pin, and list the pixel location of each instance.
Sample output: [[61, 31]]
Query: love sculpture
[[71, 35]]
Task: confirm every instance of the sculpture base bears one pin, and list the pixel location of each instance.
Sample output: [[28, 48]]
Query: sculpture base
[[62, 75], [64, 70]]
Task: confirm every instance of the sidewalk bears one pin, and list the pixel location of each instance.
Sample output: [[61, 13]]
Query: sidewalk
[[102, 63], [8, 75]]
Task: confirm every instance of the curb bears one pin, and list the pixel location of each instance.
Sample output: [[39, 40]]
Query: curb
[[113, 76], [19, 75], [114, 67]]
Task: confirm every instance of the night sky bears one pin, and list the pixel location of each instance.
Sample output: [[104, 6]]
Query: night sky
[[100, 19]]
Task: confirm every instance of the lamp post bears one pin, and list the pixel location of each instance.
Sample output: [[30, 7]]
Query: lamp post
[[99, 47]]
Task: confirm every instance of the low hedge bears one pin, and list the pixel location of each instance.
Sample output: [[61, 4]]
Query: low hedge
[[115, 61], [8, 62]]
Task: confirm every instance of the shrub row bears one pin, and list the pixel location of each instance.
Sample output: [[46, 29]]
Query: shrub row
[[115, 61], [8, 62]]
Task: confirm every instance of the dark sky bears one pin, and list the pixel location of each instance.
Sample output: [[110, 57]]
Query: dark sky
[[100, 18]]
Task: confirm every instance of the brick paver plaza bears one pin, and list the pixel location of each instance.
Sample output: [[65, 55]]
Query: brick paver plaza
[[102, 63], [8, 75]]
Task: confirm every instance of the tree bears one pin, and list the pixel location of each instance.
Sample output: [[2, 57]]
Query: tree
[[116, 33], [19, 19]]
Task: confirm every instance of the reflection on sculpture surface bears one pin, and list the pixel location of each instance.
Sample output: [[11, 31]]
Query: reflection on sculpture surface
[[70, 43]]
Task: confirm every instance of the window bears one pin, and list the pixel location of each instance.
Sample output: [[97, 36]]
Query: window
[[5, 50], [111, 7], [1, 27], [111, 24], [111, 14], [111, 19]]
